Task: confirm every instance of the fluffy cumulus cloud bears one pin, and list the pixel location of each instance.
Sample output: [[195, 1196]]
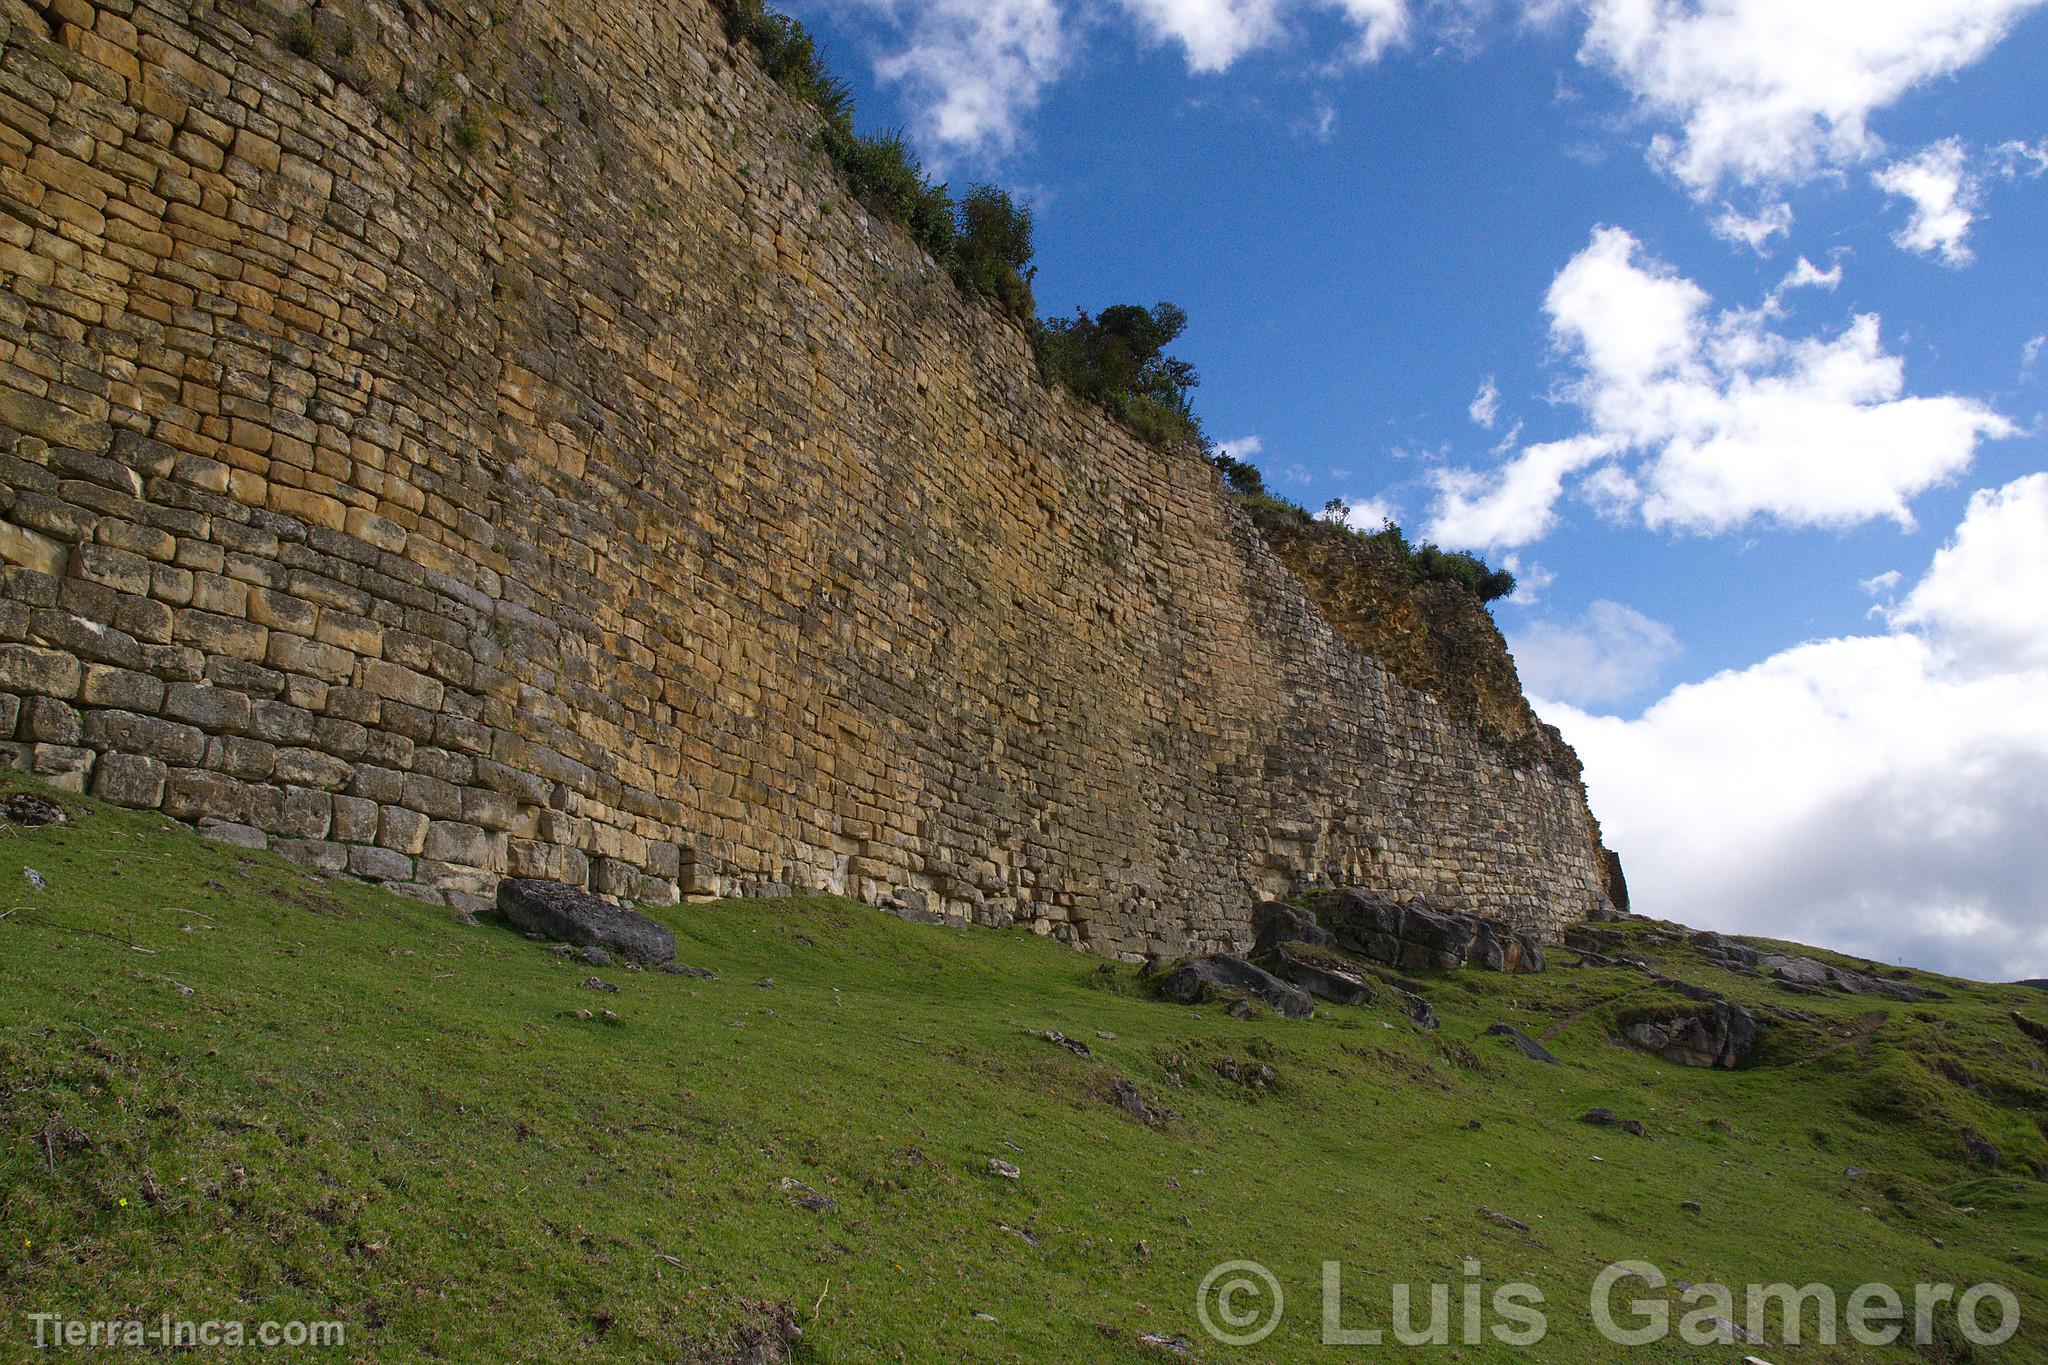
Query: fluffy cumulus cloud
[[1754, 230], [1215, 33], [1704, 420], [1883, 794], [1611, 654], [974, 70], [1943, 195], [1776, 92]]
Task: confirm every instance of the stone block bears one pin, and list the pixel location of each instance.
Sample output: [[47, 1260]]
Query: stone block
[[33, 550], [64, 766], [130, 780], [39, 672], [311, 768], [280, 722], [401, 829], [123, 688], [395, 682], [211, 633], [281, 612], [442, 800], [450, 841], [111, 568], [297, 654], [355, 820], [213, 709], [196, 794], [45, 720], [233, 834], [380, 864], [130, 732], [318, 855]]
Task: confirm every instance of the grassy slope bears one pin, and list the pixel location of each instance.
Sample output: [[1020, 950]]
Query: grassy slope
[[364, 1111]]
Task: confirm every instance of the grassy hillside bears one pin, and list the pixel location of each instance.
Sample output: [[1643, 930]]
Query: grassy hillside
[[229, 1089]]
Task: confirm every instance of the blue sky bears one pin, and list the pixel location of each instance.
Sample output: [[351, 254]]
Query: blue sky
[[1717, 319]]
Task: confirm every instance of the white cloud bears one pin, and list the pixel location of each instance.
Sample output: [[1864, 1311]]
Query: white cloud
[[1754, 231], [1879, 794], [1215, 33], [1531, 580], [2032, 352], [1370, 514], [1807, 275], [1725, 419], [1243, 448], [1776, 92], [973, 70], [1610, 654], [2015, 159], [1517, 506], [1485, 409], [1984, 603], [1945, 197]]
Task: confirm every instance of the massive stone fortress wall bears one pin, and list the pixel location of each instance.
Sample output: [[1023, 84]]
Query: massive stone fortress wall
[[451, 443]]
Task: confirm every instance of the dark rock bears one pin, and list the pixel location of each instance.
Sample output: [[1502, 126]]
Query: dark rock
[[595, 957], [1199, 980], [567, 914], [1322, 975], [1073, 1045], [1980, 1148], [1721, 1035], [804, 1197], [1522, 1043], [2038, 1032], [1412, 936], [1276, 923], [1584, 938], [1416, 1008], [32, 811], [1605, 1118], [678, 969], [1257, 1076], [1800, 971], [599, 984], [1719, 951], [1127, 1097], [1503, 1220]]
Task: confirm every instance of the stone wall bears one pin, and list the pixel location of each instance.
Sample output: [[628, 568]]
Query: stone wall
[[448, 442]]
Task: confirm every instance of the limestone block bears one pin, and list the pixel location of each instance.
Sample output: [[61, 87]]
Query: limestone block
[[46, 720], [213, 709], [130, 780], [39, 672], [130, 732]]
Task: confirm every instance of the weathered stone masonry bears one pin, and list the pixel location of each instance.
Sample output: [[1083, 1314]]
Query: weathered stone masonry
[[457, 446]]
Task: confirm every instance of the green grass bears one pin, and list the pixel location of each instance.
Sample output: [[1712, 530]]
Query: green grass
[[275, 1096]]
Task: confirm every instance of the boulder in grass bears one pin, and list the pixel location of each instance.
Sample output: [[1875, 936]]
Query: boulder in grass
[[568, 914], [1202, 979], [1324, 975], [1277, 923]]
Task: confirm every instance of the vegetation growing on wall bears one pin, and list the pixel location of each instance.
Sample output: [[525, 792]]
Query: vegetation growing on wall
[[984, 239], [1425, 563], [1116, 358]]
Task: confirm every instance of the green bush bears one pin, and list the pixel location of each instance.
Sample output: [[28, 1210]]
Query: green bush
[[1240, 476], [995, 249], [984, 241], [1118, 358], [1426, 563]]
